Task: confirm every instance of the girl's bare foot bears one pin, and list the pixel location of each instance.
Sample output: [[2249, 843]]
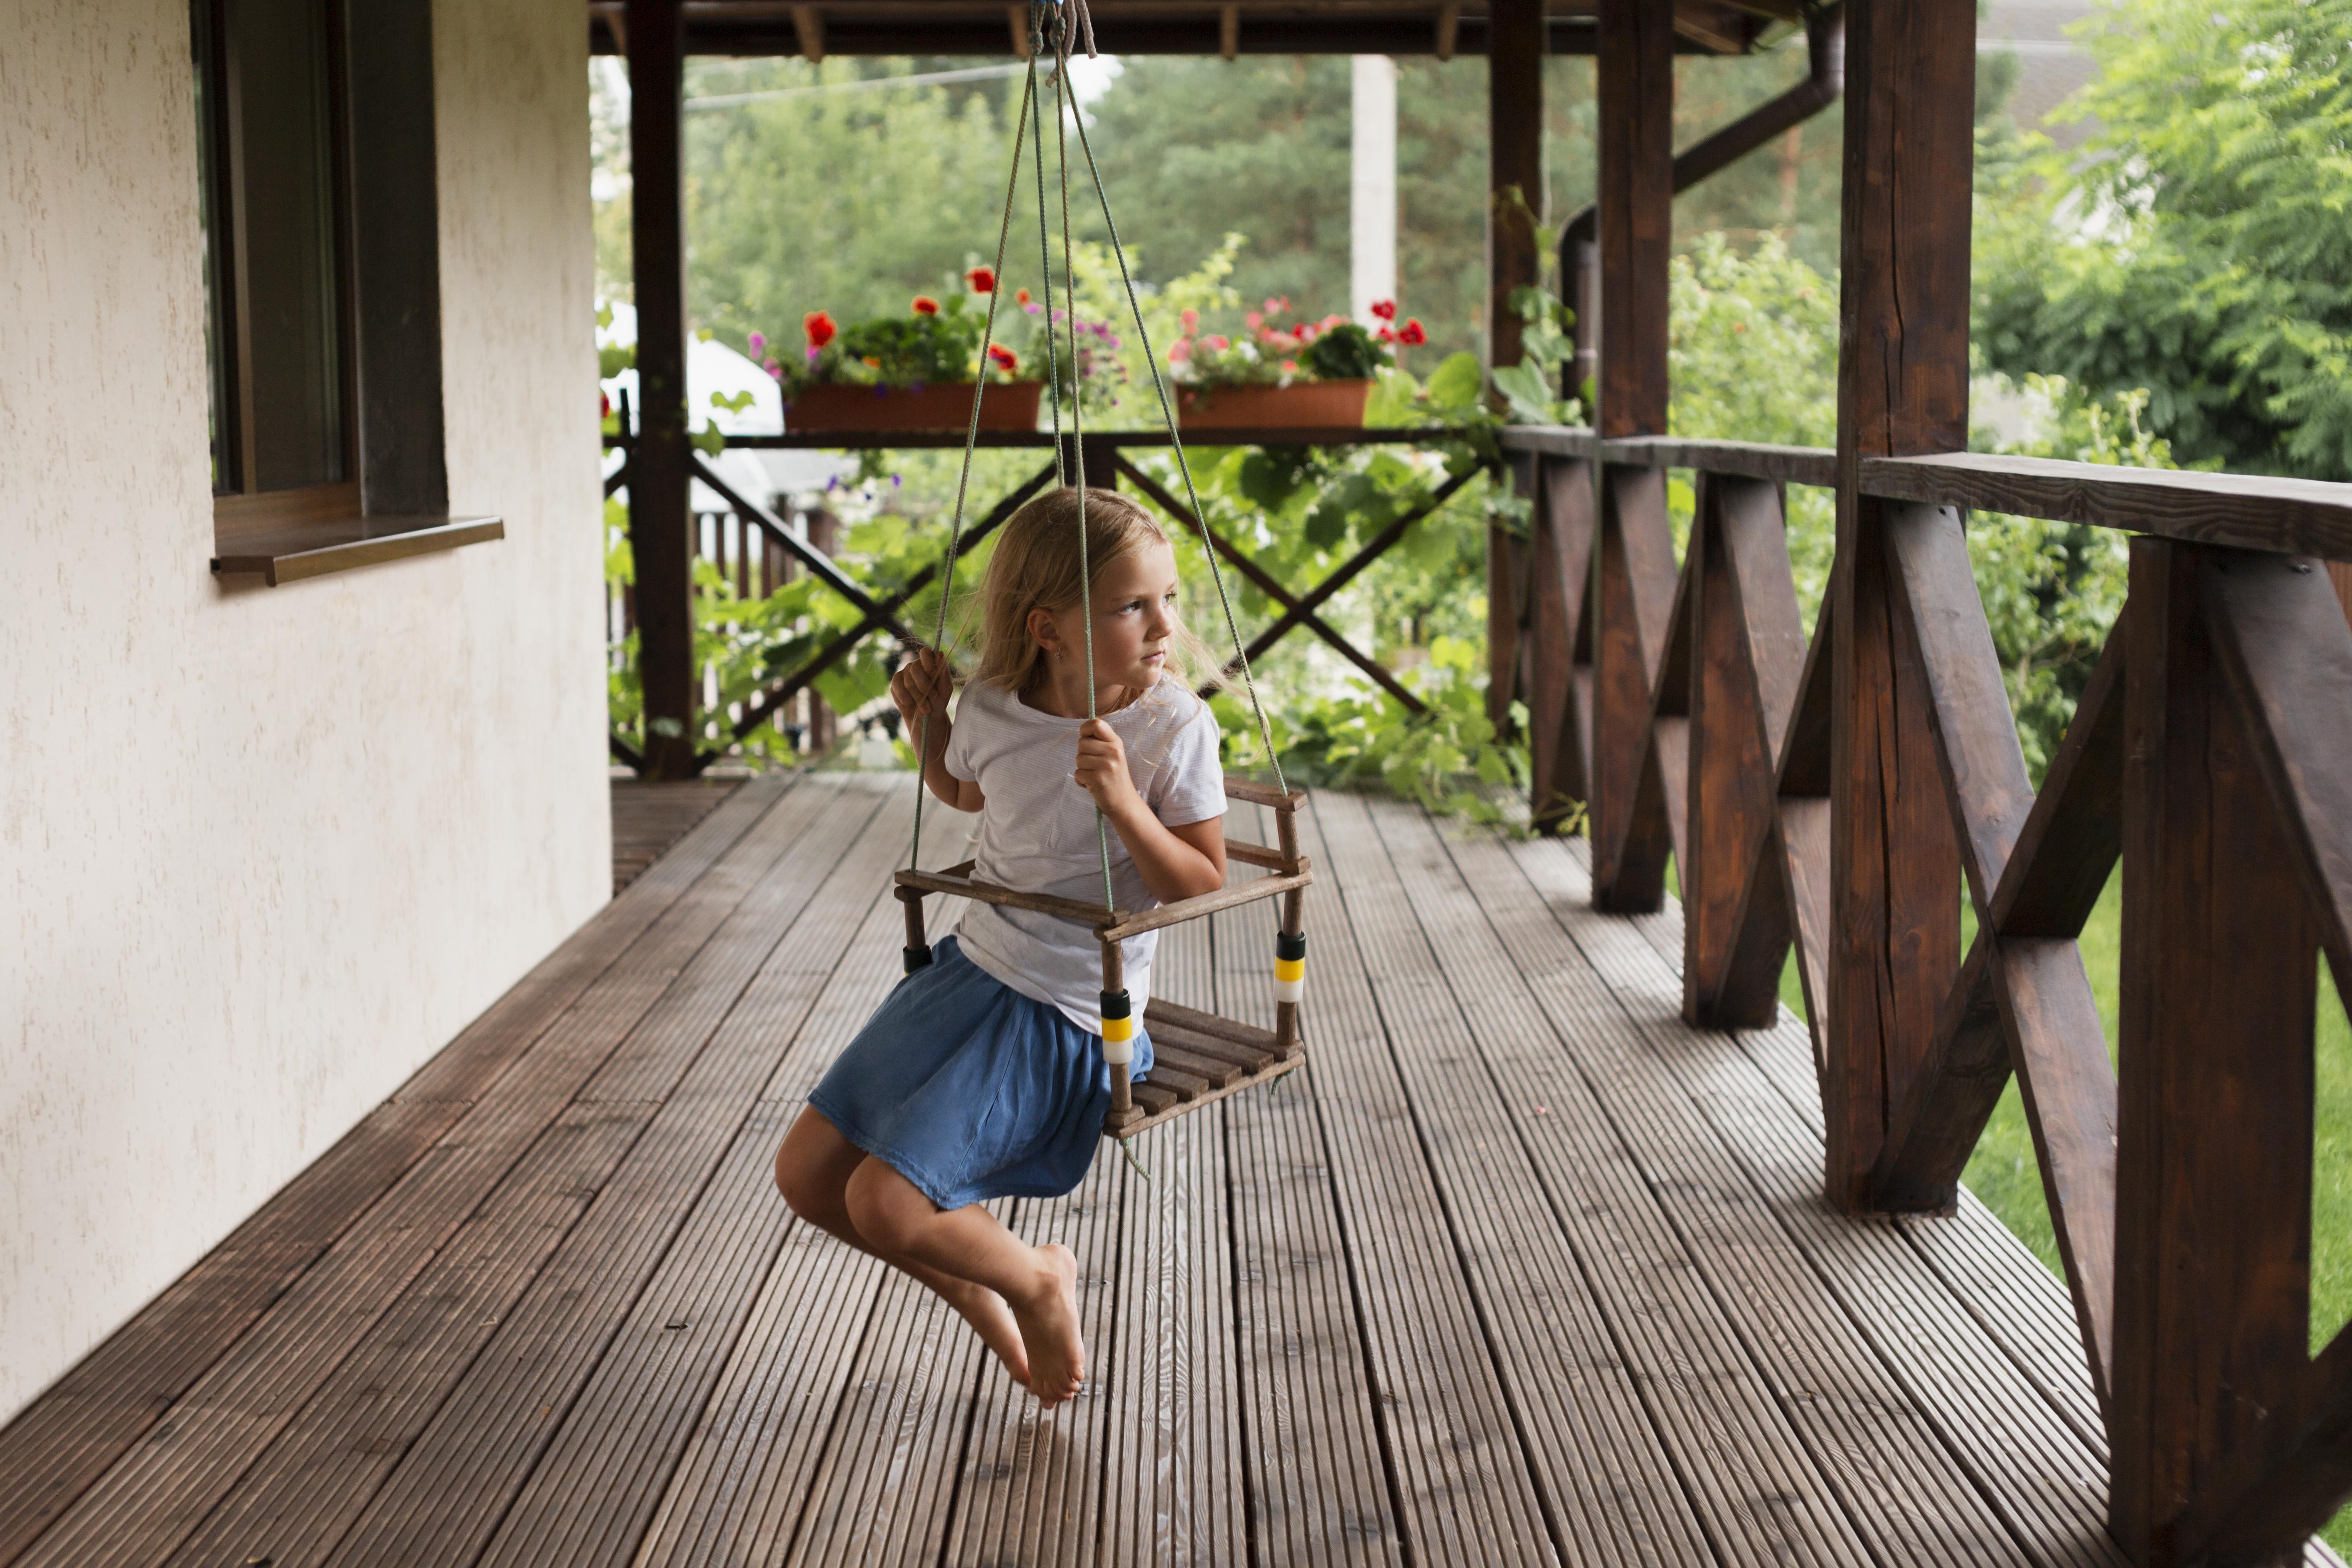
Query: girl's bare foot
[[985, 1311], [1049, 1321]]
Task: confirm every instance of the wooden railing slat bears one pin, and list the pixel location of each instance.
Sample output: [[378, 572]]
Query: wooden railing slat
[[2068, 848]]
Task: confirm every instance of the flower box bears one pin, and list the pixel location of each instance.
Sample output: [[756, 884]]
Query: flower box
[[1301, 406], [944, 405]]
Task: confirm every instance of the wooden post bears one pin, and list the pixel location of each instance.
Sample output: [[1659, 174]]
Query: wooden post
[[823, 536], [1903, 389], [1636, 211], [1634, 584], [2214, 1126], [1514, 182], [660, 531]]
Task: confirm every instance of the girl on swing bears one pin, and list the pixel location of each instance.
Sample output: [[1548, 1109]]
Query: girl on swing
[[982, 1076]]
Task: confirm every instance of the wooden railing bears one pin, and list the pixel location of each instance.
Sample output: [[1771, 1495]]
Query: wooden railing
[[2210, 754], [763, 543]]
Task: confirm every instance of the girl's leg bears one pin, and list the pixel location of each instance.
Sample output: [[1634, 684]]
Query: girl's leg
[[812, 1171], [1040, 1283]]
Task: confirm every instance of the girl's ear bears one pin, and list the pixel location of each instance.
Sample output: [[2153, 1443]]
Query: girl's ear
[[1042, 629]]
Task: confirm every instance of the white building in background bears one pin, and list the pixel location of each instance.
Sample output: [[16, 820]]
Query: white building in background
[[715, 371]]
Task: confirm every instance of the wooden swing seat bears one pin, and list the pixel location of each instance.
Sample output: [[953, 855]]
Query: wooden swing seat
[[1197, 1056]]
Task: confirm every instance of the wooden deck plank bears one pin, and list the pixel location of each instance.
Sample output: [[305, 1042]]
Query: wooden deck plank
[[1031, 1484], [1321, 1487], [1175, 1489], [1654, 1431], [639, 1410], [446, 1492], [741, 1490], [2029, 1470], [162, 1488], [650, 815], [1462, 1474], [64, 1441], [1381, 1311]]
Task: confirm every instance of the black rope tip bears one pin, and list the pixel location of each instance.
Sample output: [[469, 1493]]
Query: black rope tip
[[917, 958], [1290, 947]]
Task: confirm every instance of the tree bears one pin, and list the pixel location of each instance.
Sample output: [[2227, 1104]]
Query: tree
[[2200, 246]]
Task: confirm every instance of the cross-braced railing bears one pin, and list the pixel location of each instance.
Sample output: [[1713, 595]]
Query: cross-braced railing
[[2211, 754]]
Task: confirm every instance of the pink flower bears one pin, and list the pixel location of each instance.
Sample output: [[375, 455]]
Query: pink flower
[[1191, 318], [1180, 351], [1384, 309], [1253, 320], [758, 341], [1216, 343], [1290, 367], [1276, 307]]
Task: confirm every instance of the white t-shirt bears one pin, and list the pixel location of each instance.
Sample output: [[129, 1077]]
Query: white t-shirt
[[1037, 834]]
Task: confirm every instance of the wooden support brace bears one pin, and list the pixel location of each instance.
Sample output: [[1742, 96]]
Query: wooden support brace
[[1633, 603], [1559, 567], [1747, 656]]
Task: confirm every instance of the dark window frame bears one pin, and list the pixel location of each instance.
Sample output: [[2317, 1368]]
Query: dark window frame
[[238, 508]]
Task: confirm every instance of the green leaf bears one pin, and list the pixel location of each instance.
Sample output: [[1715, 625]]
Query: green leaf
[[1454, 389], [1526, 390]]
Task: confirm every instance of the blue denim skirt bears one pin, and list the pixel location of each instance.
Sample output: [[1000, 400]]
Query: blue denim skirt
[[972, 1090]]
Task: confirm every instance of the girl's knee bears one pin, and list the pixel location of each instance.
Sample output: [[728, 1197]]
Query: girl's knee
[[876, 1197], [802, 1182]]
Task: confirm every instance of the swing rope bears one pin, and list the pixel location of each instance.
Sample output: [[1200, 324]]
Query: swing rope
[[972, 441], [1066, 111]]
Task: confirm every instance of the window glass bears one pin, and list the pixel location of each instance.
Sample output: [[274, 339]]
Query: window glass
[[277, 315]]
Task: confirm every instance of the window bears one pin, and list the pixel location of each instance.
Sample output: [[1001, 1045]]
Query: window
[[271, 96], [322, 284]]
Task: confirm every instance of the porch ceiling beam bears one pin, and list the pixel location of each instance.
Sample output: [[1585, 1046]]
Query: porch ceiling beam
[[717, 27]]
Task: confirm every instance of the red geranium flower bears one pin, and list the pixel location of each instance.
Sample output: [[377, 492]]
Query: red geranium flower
[[1023, 297], [1384, 309], [1004, 359], [606, 408], [982, 280], [820, 328], [926, 306], [1386, 333], [1411, 334]]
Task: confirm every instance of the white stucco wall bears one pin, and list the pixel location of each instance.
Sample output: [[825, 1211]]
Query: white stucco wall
[[263, 851]]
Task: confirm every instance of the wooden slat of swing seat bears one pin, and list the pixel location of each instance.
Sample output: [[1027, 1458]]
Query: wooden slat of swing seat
[[1097, 916], [1195, 1066]]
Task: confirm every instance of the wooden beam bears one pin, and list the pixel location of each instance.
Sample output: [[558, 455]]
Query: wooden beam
[[1902, 388], [2214, 1135], [2252, 511], [1229, 32], [2074, 831], [1016, 20], [808, 27], [1633, 605], [1559, 565], [1749, 653], [1514, 182], [1506, 599], [660, 460], [1449, 28], [1635, 208]]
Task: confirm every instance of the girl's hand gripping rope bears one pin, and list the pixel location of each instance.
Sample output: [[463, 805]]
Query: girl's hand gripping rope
[[921, 686], [1102, 772]]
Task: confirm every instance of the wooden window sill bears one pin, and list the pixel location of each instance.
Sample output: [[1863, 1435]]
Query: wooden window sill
[[315, 549]]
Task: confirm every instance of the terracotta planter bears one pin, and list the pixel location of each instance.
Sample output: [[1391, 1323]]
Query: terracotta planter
[[1301, 406], [1008, 405]]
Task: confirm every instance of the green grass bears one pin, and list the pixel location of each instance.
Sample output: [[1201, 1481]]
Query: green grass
[[2004, 1173]]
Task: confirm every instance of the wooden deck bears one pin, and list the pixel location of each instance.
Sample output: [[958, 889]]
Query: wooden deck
[[1520, 1269]]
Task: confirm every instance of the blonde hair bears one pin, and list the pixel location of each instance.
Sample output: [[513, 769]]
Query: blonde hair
[[1035, 567]]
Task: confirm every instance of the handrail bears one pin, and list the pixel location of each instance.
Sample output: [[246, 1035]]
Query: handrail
[[2246, 512], [2251, 511]]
